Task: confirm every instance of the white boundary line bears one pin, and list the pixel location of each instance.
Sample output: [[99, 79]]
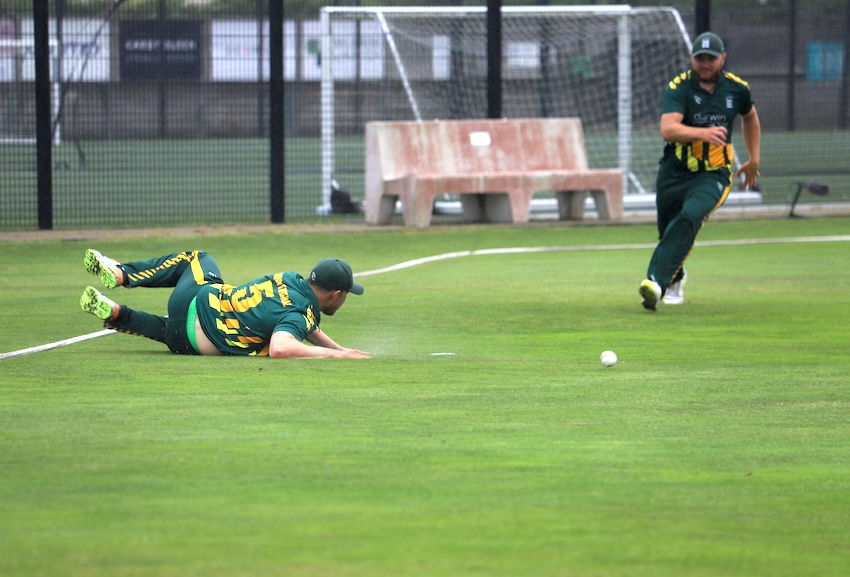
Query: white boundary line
[[590, 248], [57, 344], [484, 252]]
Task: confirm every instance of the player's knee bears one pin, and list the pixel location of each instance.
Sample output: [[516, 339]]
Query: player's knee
[[695, 213], [693, 217]]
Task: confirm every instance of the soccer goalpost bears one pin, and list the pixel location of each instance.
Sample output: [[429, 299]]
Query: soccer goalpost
[[607, 65]]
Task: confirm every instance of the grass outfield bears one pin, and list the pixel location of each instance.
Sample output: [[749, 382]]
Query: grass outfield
[[718, 445]]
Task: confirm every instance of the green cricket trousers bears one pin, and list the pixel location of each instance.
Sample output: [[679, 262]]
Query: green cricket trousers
[[684, 201], [186, 273]]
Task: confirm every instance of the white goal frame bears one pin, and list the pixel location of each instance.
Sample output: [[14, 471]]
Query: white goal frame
[[624, 72]]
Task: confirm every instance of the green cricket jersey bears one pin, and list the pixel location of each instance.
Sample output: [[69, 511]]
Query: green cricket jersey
[[240, 320], [701, 108]]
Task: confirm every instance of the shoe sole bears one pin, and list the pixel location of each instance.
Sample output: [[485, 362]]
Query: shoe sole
[[95, 265], [650, 299], [93, 302]]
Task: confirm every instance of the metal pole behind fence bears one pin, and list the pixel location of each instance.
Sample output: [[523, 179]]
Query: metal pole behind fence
[[494, 58], [276, 144], [43, 119]]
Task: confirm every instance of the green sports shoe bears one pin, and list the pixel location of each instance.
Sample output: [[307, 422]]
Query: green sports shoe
[[95, 303], [106, 269], [650, 291]]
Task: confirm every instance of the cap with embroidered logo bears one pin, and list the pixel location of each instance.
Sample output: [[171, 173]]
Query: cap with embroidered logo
[[335, 274], [708, 43]]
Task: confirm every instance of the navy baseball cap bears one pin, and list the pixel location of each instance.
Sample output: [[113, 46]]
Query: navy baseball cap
[[334, 274], [708, 43]]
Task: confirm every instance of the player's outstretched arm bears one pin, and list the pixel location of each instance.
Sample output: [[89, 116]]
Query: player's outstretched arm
[[321, 339], [284, 345], [751, 129]]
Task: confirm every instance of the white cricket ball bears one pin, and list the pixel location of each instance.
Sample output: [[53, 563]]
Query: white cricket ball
[[608, 358]]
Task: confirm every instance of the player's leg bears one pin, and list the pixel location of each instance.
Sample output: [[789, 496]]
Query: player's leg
[[164, 271], [669, 199], [123, 318], [202, 270], [198, 269], [706, 193], [185, 271], [670, 203]]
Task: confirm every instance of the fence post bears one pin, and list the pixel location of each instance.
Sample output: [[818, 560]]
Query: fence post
[[277, 189], [494, 58], [43, 120], [845, 72]]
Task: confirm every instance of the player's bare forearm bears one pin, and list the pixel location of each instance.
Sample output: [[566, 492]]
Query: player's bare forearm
[[751, 131], [284, 345], [674, 130], [321, 339]]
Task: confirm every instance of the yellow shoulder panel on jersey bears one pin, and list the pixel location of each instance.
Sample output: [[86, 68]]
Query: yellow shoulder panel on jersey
[[679, 79], [734, 78]]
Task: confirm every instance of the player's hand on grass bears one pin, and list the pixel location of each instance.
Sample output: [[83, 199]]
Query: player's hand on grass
[[354, 354]]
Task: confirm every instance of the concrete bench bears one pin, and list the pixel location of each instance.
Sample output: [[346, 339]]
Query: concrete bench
[[495, 165]]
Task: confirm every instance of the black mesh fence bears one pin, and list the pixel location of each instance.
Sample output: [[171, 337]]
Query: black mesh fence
[[161, 109], [160, 116]]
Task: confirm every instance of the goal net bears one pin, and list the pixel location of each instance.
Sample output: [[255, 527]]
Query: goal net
[[607, 65]]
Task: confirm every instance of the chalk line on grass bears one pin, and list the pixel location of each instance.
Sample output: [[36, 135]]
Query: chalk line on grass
[[484, 252], [57, 344], [589, 248]]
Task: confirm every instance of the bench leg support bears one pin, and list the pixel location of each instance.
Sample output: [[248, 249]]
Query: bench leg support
[[571, 204], [380, 210]]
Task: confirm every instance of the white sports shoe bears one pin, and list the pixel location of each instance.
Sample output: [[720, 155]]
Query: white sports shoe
[[675, 294]]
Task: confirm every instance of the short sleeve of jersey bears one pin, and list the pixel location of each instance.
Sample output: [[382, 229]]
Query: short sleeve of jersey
[[675, 96], [746, 100], [297, 323], [300, 317]]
